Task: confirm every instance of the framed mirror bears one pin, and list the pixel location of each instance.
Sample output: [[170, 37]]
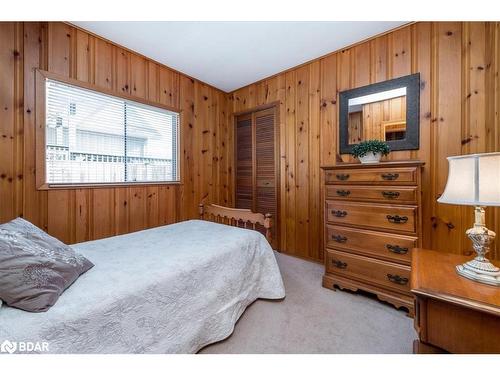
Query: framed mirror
[[388, 111]]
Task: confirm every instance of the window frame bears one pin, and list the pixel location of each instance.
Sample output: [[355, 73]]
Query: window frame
[[40, 133]]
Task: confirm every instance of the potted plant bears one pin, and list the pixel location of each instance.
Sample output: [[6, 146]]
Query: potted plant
[[370, 151]]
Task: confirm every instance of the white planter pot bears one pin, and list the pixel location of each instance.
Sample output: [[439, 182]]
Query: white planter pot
[[370, 158]]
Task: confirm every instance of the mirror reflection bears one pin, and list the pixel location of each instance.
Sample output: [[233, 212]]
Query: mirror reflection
[[380, 116]]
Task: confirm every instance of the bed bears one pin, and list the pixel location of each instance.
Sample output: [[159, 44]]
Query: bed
[[171, 289]]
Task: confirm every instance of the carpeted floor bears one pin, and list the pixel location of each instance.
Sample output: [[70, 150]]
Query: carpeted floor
[[312, 319]]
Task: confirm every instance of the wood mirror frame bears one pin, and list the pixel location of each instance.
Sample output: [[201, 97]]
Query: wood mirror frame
[[412, 138]]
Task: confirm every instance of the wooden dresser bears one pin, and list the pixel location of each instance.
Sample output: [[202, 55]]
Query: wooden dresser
[[372, 222]]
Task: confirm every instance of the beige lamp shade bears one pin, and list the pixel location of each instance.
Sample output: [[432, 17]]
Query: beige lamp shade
[[473, 180]]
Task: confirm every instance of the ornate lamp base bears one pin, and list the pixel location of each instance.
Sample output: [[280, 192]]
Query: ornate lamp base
[[480, 269], [469, 271]]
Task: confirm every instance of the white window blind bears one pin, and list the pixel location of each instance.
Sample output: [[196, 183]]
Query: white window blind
[[96, 138]]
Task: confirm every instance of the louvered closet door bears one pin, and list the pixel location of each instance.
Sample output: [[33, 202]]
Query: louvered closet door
[[265, 166], [256, 180], [244, 162]]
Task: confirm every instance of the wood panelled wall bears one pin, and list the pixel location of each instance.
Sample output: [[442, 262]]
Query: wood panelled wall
[[460, 103], [83, 214], [459, 113]]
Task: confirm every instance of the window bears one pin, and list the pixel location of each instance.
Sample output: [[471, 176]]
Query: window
[[96, 138]]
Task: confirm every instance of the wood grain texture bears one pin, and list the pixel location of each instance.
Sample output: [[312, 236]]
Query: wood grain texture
[[84, 214], [459, 113], [453, 313], [368, 244], [237, 217], [256, 165]]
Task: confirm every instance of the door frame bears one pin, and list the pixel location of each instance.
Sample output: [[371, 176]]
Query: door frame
[[277, 161]]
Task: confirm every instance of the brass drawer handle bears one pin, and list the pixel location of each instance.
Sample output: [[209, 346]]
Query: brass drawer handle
[[390, 194], [339, 264], [338, 238], [343, 193], [396, 219], [342, 176], [396, 249], [390, 176], [339, 213], [396, 279]]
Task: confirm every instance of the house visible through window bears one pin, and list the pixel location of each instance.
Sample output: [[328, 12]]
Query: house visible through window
[[96, 138]]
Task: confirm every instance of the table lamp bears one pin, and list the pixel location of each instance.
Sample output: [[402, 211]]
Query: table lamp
[[474, 180]]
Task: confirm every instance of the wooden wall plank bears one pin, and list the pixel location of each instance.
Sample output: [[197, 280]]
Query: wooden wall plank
[[59, 48], [203, 142], [59, 222], [138, 79], [399, 62], [153, 83], [137, 209], [121, 76], [361, 64], [302, 159], [102, 201], [344, 76], [103, 63], [224, 154], [422, 64], [83, 72], [492, 131], [280, 98], [216, 189], [289, 214], [152, 207], [7, 120], [169, 83], [447, 130], [315, 245], [122, 210], [103, 213], [83, 56], [328, 118], [82, 220], [188, 123], [379, 59], [34, 201], [167, 211], [474, 96], [60, 60], [123, 195], [17, 177], [400, 52]]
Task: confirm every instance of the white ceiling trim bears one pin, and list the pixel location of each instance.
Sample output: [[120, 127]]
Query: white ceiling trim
[[230, 55]]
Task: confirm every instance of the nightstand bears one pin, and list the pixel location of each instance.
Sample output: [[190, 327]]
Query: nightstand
[[452, 314]]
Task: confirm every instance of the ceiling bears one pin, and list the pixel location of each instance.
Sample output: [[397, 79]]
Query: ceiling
[[230, 55]]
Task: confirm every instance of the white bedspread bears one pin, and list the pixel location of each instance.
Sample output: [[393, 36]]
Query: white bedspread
[[172, 289]]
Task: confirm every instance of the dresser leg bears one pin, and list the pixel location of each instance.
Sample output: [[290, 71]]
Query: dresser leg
[[395, 299], [420, 348]]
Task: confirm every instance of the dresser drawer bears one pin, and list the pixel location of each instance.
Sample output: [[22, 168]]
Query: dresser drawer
[[372, 216], [380, 176], [388, 275], [386, 194], [392, 247]]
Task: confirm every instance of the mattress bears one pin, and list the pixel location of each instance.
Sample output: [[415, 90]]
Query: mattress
[[171, 289]]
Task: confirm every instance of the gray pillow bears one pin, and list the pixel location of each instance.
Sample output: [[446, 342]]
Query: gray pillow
[[35, 268]]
